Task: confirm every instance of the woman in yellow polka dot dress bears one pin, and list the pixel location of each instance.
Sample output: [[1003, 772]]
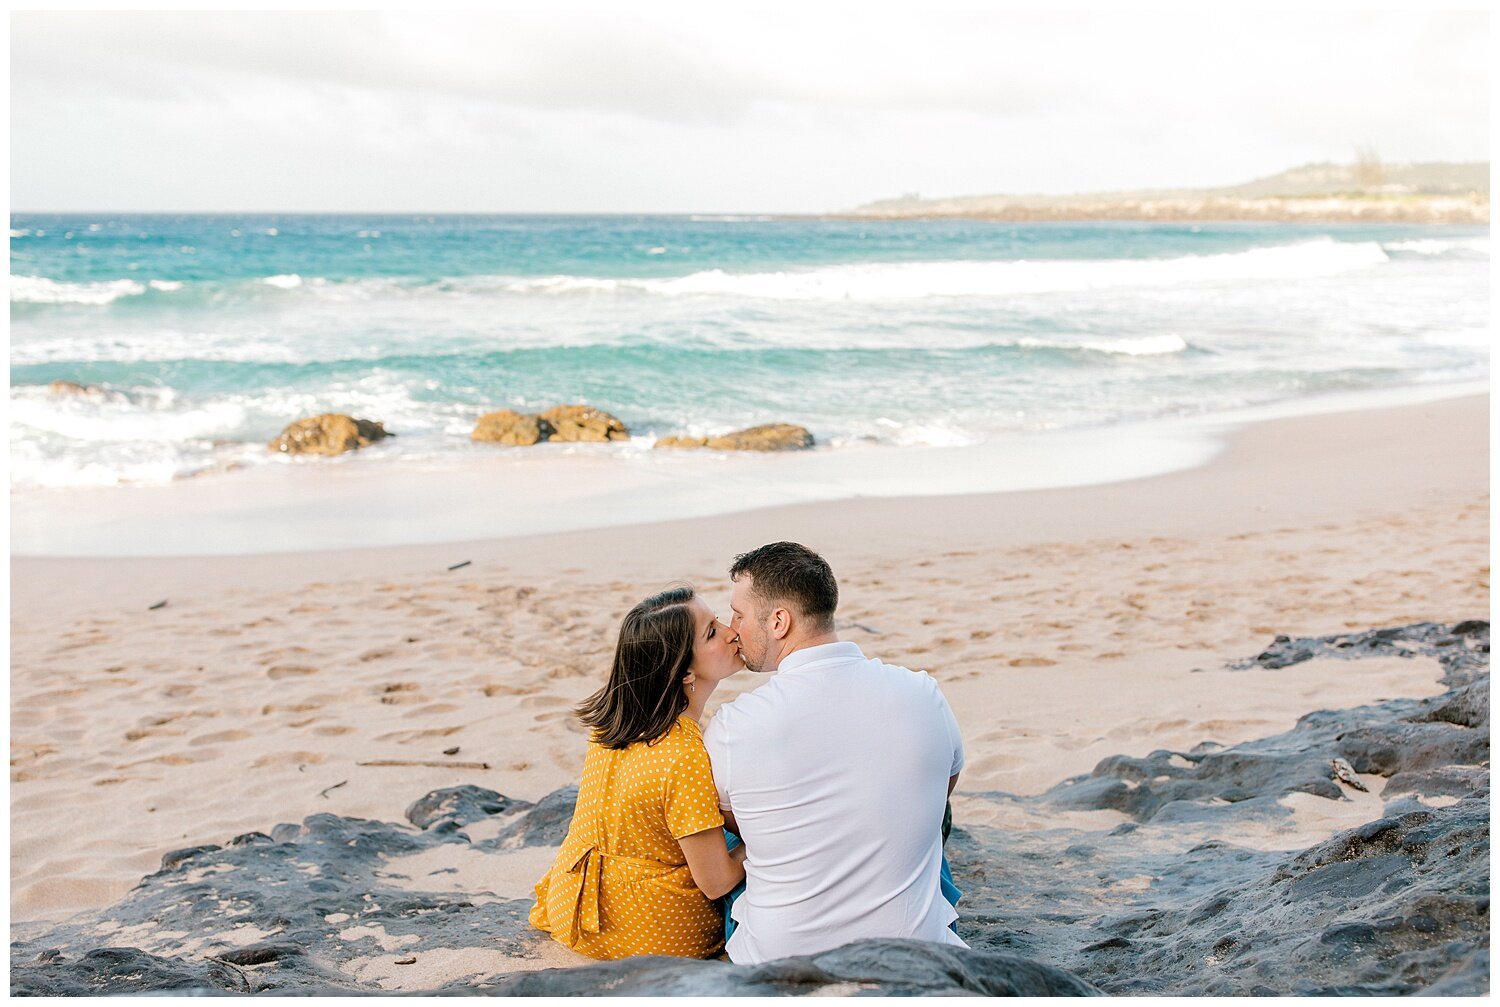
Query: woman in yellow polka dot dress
[[645, 857]]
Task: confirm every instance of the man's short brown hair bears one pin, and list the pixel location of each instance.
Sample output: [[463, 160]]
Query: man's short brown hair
[[792, 574]]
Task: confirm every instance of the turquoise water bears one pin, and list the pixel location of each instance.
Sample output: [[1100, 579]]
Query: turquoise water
[[210, 333]]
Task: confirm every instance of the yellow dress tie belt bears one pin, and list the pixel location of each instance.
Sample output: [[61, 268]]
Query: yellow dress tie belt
[[573, 894]]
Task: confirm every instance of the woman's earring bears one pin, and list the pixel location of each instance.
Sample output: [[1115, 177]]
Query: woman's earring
[[692, 687]]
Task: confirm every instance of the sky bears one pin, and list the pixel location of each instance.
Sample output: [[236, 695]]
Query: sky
[[694, 109]]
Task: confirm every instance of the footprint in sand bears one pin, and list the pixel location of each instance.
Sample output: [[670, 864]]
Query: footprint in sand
[[271, 708], [997, 763], [503, 689], [1030, 662], [407, 737], [399, 692], [332, 730], [280, 654], [290, 671], [532, 701], [141, 733], [288, 759], [173, 759], [430, 710], [219, 737]]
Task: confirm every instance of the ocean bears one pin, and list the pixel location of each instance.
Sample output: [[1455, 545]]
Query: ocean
[[209, 333]]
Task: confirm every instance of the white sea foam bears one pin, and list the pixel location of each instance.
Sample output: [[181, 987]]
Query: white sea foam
[[1143, 346], [1459, 337], [728, 218], [153, 435], [24, 232], [138, 416], [1137, 346], [40, 290], [1436, 246], [29, 470], [905, 280], [860, 282], [156, 344], [143, 436], [919, 434]]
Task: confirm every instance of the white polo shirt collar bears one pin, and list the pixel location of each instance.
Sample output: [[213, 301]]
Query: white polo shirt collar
[[807, 657]]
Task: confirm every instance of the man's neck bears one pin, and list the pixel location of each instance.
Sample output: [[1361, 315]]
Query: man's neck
[[805, 643]]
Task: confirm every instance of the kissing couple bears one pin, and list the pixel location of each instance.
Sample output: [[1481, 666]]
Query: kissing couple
[[807, 814]]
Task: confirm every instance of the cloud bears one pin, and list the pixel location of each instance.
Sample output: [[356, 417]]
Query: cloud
[[536, 60], [698, 108]]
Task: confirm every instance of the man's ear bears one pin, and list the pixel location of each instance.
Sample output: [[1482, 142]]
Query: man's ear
[[781, 623]]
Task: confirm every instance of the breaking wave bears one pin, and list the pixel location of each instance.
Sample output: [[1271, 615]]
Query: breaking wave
[[878, 281]]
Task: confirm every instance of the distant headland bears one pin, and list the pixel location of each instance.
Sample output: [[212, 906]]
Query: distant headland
[[1368, 191]]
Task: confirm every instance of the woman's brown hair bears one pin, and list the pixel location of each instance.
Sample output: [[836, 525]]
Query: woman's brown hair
[[643, 697]]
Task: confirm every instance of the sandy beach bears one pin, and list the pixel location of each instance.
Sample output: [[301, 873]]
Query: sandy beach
[[1064, 626]]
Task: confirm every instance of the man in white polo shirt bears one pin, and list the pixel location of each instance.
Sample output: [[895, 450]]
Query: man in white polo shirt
[[835, 773]]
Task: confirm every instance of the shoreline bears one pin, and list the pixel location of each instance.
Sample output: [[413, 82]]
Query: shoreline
[[515, 493], [57, 584]]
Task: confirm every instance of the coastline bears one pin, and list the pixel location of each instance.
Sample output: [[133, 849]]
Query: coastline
[[354, 502], [1322, 209]]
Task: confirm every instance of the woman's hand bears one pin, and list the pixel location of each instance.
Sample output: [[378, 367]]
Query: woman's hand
[[715, 870]]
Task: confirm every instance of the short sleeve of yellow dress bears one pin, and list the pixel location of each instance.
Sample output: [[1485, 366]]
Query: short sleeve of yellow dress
[[620, 885]]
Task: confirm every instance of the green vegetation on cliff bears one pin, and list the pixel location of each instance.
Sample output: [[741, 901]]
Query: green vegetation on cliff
[[1427, 192]]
